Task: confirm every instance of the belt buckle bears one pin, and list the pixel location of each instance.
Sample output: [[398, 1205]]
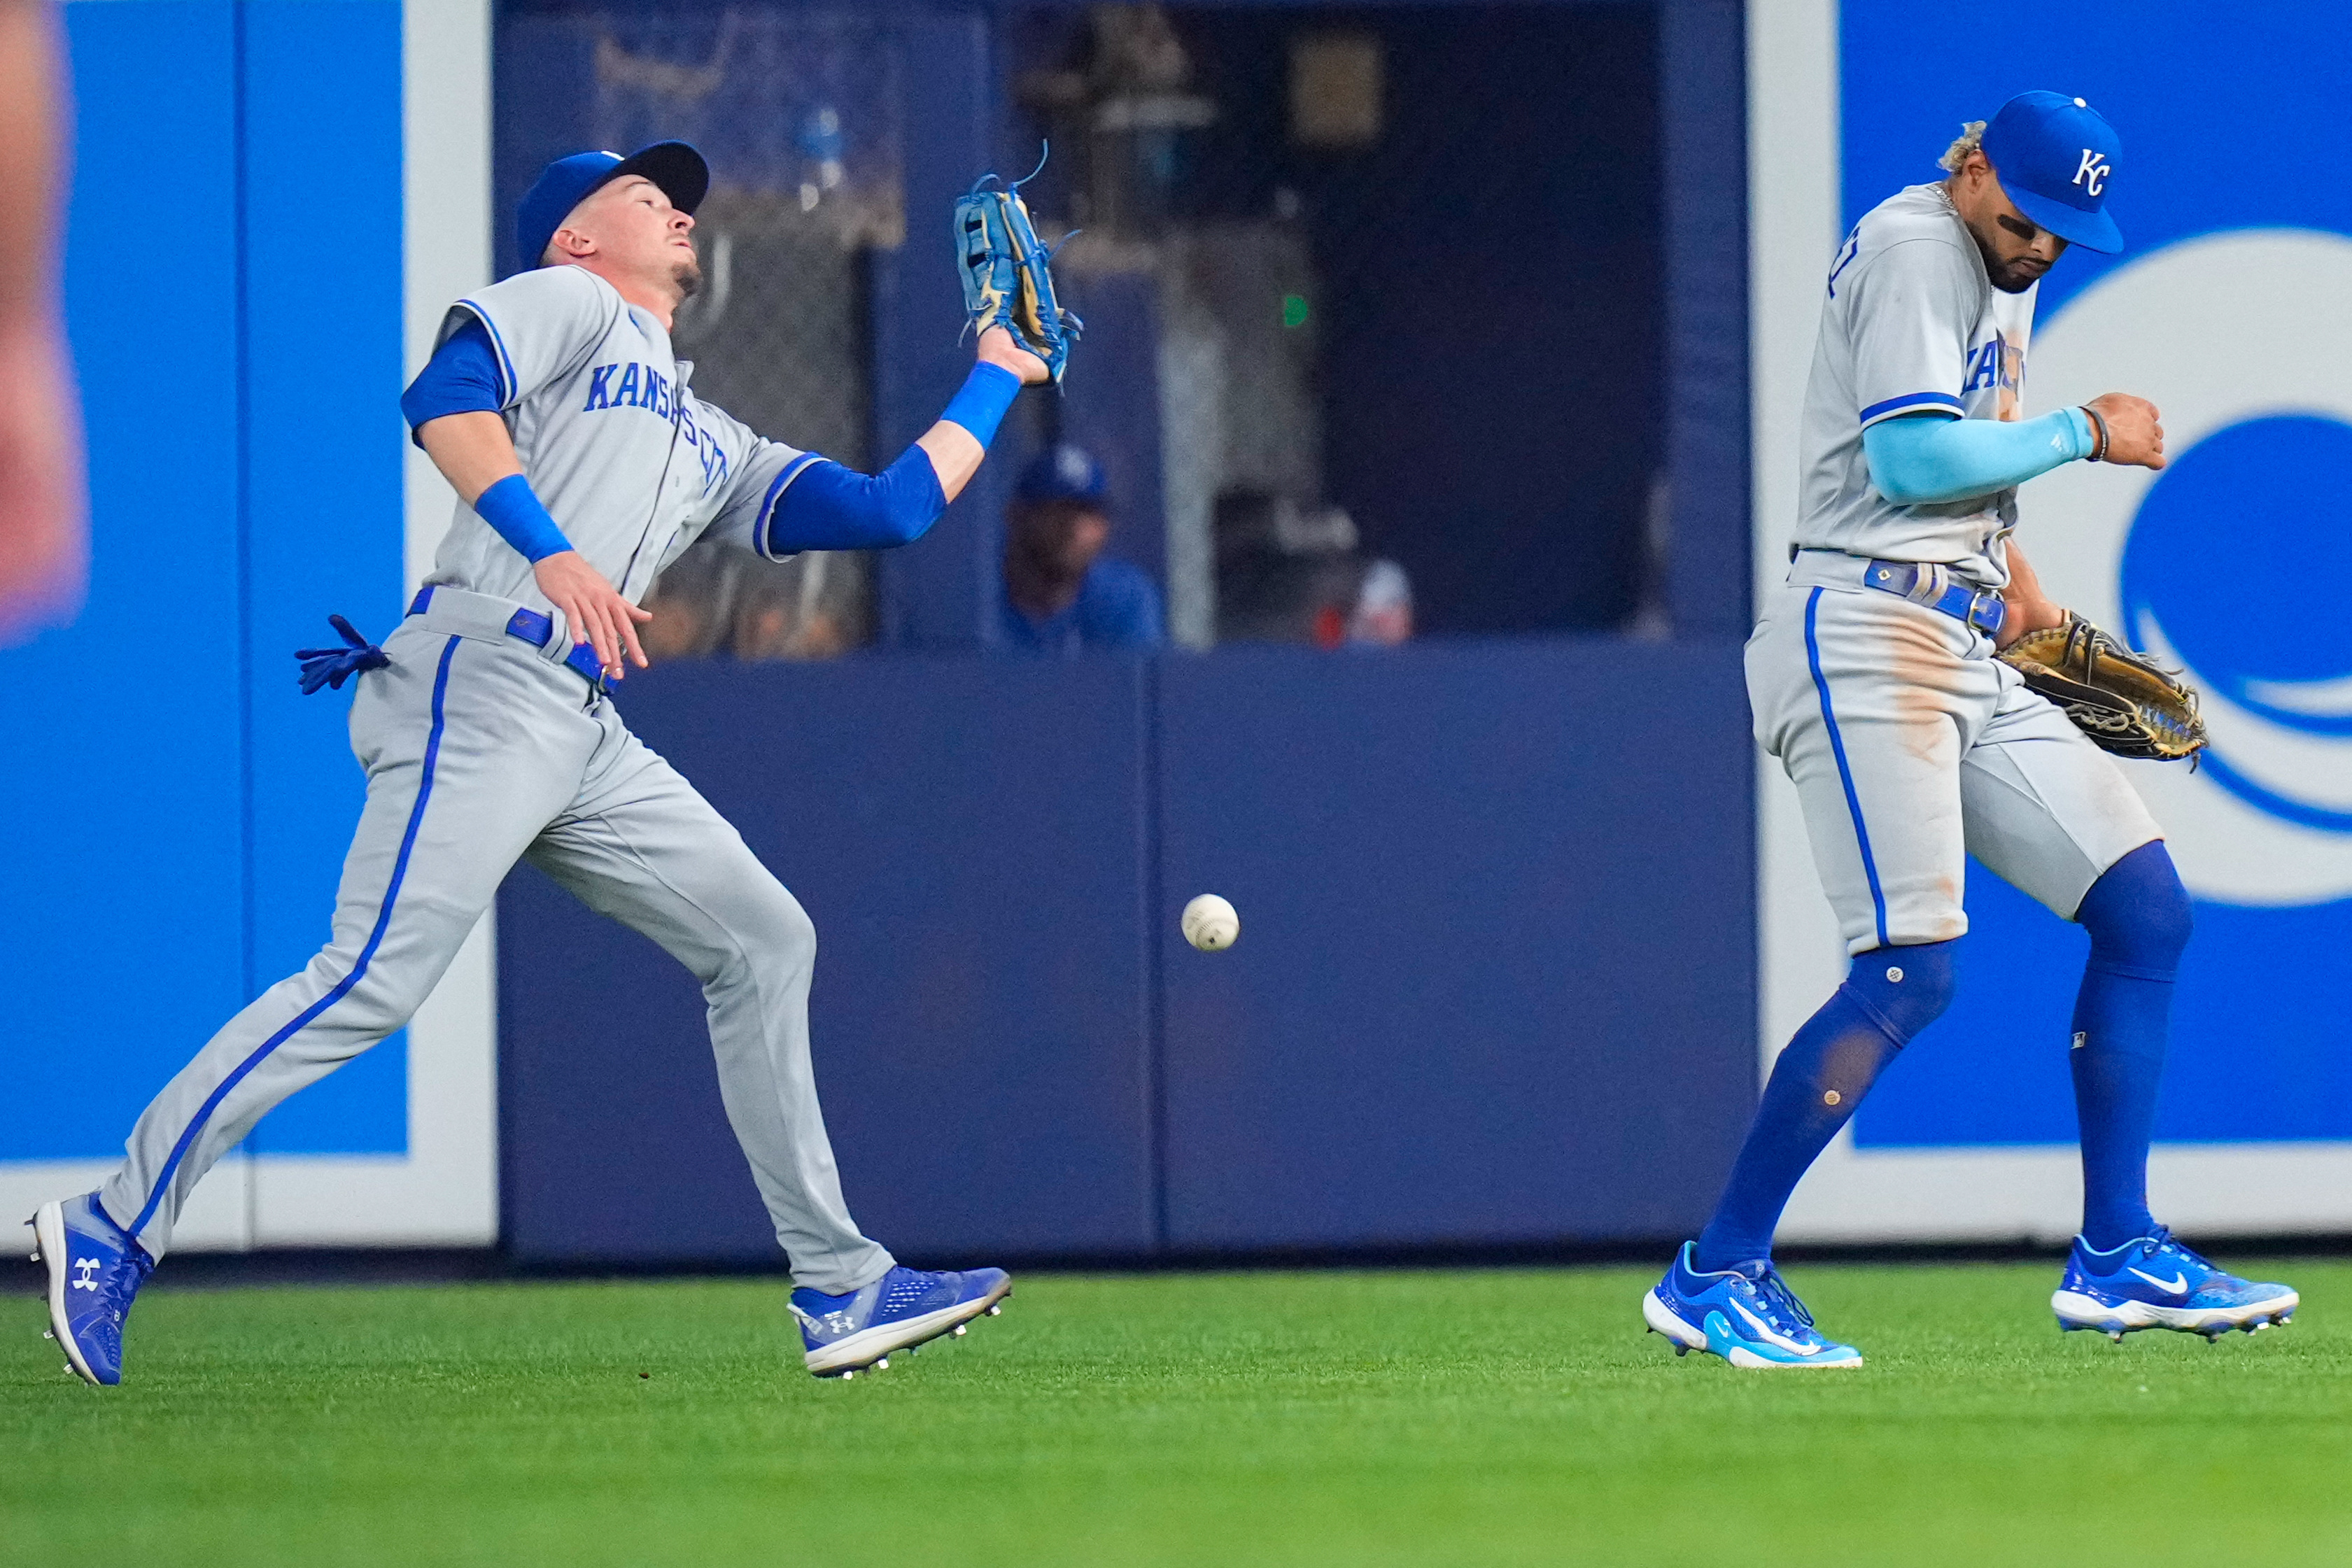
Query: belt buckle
[[1985, 616]]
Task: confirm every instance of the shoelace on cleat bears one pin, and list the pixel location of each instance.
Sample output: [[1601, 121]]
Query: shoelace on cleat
[[2161, 1240], [1779, 1301], [116, 1298]]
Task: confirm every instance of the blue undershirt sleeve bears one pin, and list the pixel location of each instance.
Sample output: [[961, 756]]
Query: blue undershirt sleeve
[[825, 505], [828, 506], [462, 377], [1924, 459]]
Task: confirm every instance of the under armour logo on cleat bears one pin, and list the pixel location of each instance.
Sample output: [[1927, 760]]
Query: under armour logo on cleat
[[87, 1268]]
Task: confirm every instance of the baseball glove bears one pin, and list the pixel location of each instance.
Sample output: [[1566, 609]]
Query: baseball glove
[[1006, 279], [2115, 696]]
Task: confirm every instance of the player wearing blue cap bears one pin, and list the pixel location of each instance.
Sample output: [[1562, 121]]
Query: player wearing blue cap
[[1061, 594], [1872, 679], [557, 409]]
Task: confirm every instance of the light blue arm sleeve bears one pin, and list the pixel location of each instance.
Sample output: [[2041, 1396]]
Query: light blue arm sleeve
[[1922, 459]]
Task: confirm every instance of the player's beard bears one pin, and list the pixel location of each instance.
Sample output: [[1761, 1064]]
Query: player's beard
[[2013, 277], [688, 275]]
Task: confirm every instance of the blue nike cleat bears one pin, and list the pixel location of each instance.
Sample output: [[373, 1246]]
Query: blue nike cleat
[[1747, 1315], [902, 1309], [2156, 1282], [94, 1271]]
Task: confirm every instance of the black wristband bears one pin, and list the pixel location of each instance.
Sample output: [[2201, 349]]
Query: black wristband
[[2098, 434]]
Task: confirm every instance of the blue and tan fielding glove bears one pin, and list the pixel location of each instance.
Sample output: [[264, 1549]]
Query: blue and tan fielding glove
[[2117, 697], [1007, 279]]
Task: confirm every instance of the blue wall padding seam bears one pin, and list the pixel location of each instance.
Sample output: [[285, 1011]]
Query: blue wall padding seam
[[1912, 400], [359, 969], [1845, 774]]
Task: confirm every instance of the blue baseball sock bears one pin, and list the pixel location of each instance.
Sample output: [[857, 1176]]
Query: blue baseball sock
[[2137, 915], [1888, 996]]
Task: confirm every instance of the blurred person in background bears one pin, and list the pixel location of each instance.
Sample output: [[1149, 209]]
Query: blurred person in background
[[791, 613], [44, 531], [1061, 594], [1383, 614], [693, 603], [1292, 574]]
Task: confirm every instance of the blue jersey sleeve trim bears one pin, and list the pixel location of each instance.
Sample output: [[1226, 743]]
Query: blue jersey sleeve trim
[[776, 489], [828, 506], [507, 380], [1924, 401], [462, 377]]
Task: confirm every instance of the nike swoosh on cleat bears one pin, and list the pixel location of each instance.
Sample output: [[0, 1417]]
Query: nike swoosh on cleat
[[2177, 1286], [1770, 1335]]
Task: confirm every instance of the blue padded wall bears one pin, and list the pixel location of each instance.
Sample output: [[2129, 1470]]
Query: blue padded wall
[[1495, 976], [244, 480], [1494, 985], [323, 487], [125, 728], [967, 836]]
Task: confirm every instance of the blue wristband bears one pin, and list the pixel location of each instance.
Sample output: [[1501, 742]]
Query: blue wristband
[[980, 406], [514, 510]]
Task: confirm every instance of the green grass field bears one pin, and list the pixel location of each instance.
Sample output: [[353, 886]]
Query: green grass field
[[1471, 1418]]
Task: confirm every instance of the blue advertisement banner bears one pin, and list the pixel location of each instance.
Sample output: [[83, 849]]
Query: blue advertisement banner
[[2228, 309]]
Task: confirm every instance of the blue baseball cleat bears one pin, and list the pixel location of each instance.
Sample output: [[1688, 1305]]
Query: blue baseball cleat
[[2156, 1282], [899, 1311], [1747, 1315], [94, 1271]]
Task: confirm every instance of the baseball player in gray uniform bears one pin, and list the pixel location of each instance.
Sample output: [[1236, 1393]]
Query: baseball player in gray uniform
[[1873, 680], [559, 411]]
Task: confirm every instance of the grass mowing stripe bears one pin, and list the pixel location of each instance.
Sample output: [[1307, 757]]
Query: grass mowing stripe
[[1423, 1417]]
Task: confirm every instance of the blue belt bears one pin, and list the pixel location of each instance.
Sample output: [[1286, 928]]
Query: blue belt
[[531, 627], [1925, 584]]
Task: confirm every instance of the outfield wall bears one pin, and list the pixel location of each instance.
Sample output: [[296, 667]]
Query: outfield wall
[[1492, 985], [246, 293]]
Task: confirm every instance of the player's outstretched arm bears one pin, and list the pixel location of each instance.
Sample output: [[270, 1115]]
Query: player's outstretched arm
[[476, 455], [955, 453], [819, 505]]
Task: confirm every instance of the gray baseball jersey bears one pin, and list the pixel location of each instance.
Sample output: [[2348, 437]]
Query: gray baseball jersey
[[1910, 323], [482, 747], [632, 465]]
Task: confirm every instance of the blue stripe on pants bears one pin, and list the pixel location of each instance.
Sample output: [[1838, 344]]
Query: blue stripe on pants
[[343, 989], [1846, 773]]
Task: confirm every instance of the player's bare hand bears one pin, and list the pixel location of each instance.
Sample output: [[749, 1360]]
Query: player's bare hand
[[593, 609], [2027, 608], [2135, 431], [999, 347]]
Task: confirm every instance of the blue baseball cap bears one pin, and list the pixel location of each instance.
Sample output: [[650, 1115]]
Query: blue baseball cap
[[1062, 473], [2055, 156], [674, 166]]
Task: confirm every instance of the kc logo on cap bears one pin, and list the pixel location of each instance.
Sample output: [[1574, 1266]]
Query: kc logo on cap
[[2055, 157]]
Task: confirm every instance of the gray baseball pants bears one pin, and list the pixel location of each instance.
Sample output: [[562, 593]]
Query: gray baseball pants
[[481, 750], [1912, 748]]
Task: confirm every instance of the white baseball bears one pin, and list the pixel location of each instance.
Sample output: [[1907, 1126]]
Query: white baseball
[[1210, 922]]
